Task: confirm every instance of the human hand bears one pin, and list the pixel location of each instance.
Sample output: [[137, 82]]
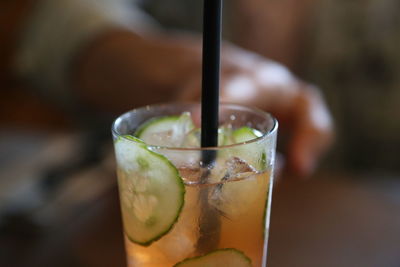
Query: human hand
[[252, 80], [122, 71]]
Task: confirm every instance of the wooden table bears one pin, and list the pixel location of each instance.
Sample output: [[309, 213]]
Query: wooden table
[[336, 220], [331, 220]]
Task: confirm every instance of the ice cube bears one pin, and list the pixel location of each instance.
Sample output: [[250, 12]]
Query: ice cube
[[192, 138], [236, 168], [190, 175], [181, 241], [168, 131], [237, 188], [225, 134], [181, 128], [181, 135]]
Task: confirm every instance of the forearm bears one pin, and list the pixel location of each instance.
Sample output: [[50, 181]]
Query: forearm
[[120, 69], [57, 33], [73, 51]]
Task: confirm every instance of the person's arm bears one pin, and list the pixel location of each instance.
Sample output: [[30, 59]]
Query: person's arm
[[121, 69], [56, 33], [118, 67]]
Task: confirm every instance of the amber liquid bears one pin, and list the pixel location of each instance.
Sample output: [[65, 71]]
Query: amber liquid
[[243, 206]]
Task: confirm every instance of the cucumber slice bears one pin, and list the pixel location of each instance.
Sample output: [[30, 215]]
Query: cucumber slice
[[194, 136], [252, 153], [222, 257], [166, 131], [245, 134], [151, 191]]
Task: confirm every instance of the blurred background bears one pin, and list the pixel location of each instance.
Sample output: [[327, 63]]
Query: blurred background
[[58, 197]]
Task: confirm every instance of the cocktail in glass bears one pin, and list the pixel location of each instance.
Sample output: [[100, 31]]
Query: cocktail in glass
[[183, 205]]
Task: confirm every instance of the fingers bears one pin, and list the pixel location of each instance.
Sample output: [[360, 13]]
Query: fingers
[[299, 107], [305, 150], [312, 132]]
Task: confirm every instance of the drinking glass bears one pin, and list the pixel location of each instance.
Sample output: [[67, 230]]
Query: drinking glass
[[183, 205]]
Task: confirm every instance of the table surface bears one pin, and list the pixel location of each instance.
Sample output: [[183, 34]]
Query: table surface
[[330, 220]]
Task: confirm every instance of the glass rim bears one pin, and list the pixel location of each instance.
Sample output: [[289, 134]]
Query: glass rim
[[258, 111]]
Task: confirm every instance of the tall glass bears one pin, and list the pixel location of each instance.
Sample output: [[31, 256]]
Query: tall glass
[[179, 210]]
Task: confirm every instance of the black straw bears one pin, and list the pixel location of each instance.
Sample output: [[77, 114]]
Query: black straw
[[211, 73], [209, 221]]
